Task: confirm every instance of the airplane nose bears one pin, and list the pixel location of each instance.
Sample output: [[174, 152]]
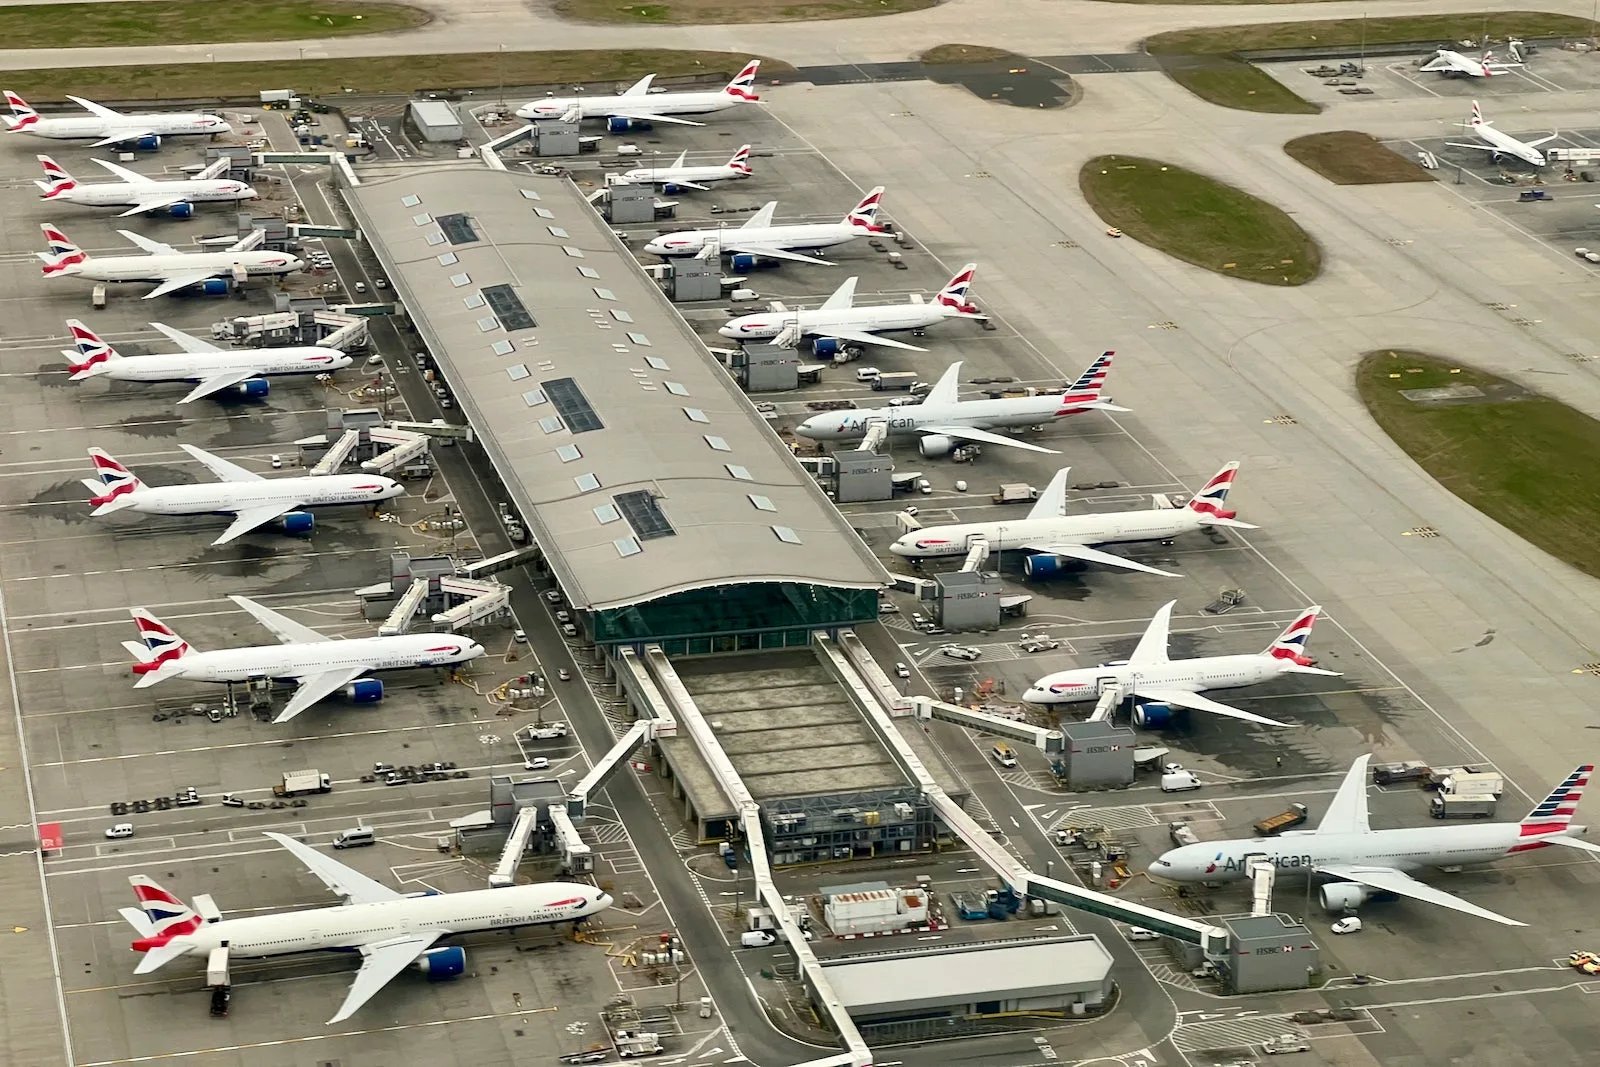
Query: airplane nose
[[1036, 695], [728, 331], [900, 548]]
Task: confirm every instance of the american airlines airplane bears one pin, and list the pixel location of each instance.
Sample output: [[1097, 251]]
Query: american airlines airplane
[[1359, 862], [839, 318], [240, 371], [1050, 537], [1451, 63], [1502, 144], [390, 930], [252, 500], [1163, 683], [759, 237], [678, 175], [639, 104], [319, 664], [139, 193], [943, 419], [175, 270], [107, 127]]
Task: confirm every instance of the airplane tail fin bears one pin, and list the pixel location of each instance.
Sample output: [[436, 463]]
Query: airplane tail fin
[[1052, 503], [162, 643], [90, 353], [1555, 812], [63, 253], [1477, 116], [741, 160], [57, 180], [743, 86], [161, 918], [864, 216], [954, 295], [118, 484], [1086, 391], [1291, 644], [22, 116], [1208, 503]]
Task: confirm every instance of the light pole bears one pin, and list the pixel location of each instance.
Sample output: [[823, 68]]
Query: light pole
[[501, 62]]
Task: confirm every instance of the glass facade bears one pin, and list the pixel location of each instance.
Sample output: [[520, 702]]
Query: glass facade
[[731, 618]]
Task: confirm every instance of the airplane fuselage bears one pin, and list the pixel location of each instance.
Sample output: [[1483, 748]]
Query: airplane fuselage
[[158, 268], [787, 238], [883, 318], [1408, 849], [1007, 413], [212, 498], [183, 367], [599, 107], [698, 175], [128, 194], [1187, 675], [1090, 530], [399, 652], [1506, 144], [93, 128], [354, 925]]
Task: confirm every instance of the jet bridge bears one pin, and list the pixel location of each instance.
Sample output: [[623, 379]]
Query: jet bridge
[[522, 828], [337, 453], [505, 561], [842, 655], [399, 620], [576, 858], [404, 446], [484, 600], [1046, 741]]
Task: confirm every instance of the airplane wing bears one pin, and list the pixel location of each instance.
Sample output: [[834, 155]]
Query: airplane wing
[[1542, 140], [353, 886], [228, 472], [762, 218], [1347, 814], [120, 136], [1091, 555], [97, 110], [132, 177], [843, 298], [1052, 503], [1479, 147], [861, 337], [248, 519], [1389, 880], [187, 342], [681, 184], [315, 687], [379, 964], [1152, 646], [174, 282], [970, 433], [155, 248], [1571, 842], [218, 382], [646, 116], [287, 630], [770, 252], [1185, 699], [155, 200]]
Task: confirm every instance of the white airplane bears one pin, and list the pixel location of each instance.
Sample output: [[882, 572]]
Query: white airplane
[[175, 270], [240, 371], [943, 420], [391, 930], [639, 104], [107, 127], [319, 664], [1148, 675], [839, 318], [1051, 537], [142, 193], [1501, 144], [1450, 63], [252, 500], [759, 237], [1360, 862], [678, 175]]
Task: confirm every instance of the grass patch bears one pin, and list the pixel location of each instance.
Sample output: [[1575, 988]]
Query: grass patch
[[374, 74], [1526, 461], [1229, 81], [157, 22], [727, 12], [1348, 157], [1422, 29], [950, 55], [1199, 220]]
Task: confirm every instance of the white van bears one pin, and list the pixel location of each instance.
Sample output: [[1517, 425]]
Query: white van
[[1003, 755], [757, 939], [1179, 781], [355, 837], [868, 374]]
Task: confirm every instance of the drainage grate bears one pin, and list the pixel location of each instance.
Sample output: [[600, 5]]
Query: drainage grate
[[1282, 420], [1589, 668], [1580, 357], [1067, 244], [1421, 531], [1497, 306], [1526, 322], [1162, 326]]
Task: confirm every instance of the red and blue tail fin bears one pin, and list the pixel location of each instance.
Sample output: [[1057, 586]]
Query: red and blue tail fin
[[162, 642], [864, 216], [1291, 644], [743, 85], [89, 351], [1556, 811], [741, 160], [1207, 504], [63, 253], [954, 295], [1085, 393], [165, 918], [116, 482], [56, 179], [22, 116]]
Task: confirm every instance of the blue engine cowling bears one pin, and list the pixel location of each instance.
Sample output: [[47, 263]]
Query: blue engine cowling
[[181, 211], [253, 389], [297, 522], [1152, 716], [364, 691], [1045, 565], [618, 124], [214, 287], [442, 963], [742, 262], [669, 189], [148, 143], [826, 347]]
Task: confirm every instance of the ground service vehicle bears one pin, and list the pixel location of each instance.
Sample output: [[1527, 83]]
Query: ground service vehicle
[[299, 783], [1294, 816]]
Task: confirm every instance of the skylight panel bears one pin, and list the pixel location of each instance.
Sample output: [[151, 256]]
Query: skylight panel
[[786, 535], [762, 503], [739, 472], [717, 443], [676, 388], [620, 315], [586, 483], [642, 509], [626, 546], [696, 415], [574, 407]]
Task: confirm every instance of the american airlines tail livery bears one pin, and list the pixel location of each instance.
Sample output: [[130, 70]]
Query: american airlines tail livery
[[1357, 862], [391, 931]]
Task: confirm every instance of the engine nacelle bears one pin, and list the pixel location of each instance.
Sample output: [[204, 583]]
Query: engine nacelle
[[668, 189], [181, 211], [1344, 896], [827, 347], [214, 287], [1044, 565], [618, 124], [742, 262], [442, 963], [934, 445], [148, 143], [297, 522], [364, 691], [1152, 716]]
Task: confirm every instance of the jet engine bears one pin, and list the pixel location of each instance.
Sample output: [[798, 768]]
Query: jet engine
[[826, 347], [1152, 716], [148, 143], [442, 963], [668, 189], [1344, 896], [252, 388], [214, 287], [934, 445], [297, 522], [364, 691], [182, 210], [1045, 565], [622, 124]]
